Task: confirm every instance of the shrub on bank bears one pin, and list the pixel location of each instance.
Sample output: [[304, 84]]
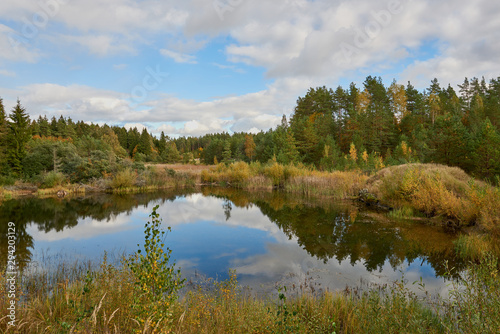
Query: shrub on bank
[[53, 179], [124, 179]]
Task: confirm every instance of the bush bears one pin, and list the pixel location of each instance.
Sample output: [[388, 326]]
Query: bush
[[7, 180], [156, 280], [53, 179], [124, 179], [277, 174], [240, 172]]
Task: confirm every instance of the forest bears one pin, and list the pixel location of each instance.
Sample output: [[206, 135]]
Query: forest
[[364, 128]]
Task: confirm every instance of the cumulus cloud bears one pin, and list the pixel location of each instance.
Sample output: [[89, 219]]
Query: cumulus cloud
[[298, 43]]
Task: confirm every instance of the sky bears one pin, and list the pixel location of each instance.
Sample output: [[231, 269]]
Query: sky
[[194, 67]]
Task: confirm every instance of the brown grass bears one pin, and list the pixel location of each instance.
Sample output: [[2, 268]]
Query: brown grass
[[290, 178], [438, 190], [190, 169]]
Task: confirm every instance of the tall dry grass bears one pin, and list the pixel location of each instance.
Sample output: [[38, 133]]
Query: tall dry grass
[[438, 190], [294, 179], [106, 298], [82, 299]]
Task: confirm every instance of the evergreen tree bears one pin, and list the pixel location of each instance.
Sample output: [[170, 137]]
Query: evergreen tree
[[226, 153], [379, 126], [121, 132], [3, 139], [44, 126], [265, 149], [53, 127], [487, 151], [171, 154], [162, 144], [450, 142], [133, 137], [331, 155], [19, 135], [145, 143], [285, 148]]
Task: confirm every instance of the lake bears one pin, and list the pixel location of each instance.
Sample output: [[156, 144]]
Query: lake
[[269, 238]]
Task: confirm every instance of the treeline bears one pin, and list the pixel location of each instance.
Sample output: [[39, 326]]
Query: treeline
[[376, 126], [346, 128], [39, 150]]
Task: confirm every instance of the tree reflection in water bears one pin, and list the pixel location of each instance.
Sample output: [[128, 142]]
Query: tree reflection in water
[[326, 229]]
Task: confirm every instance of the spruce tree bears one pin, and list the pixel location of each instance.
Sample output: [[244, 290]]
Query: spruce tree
[[145, 143], [226, 153], [18, 137], [3, 139], [487, 151]]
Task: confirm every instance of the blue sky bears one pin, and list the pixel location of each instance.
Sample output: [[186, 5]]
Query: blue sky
[[200, 66]]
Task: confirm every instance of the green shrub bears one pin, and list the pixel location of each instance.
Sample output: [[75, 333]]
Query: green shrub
[[7, 180], [53, 179], [156, 280], [124, 179]]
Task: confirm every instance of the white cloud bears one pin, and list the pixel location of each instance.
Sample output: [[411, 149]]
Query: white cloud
[[100, 45], [7, 73], [178, 57], [15, 47], [298, 43]]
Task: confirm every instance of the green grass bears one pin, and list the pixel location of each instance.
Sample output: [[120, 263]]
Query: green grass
[[402, 213]]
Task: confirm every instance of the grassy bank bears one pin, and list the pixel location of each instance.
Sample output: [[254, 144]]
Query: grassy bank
[[127, 180], [142, 294], [425, 190], [438, 191]]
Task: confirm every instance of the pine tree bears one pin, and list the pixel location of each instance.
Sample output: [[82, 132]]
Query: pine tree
[[3, 139], [285, 147], [19, 135], [450, 142], [226, 153], [487, 151]]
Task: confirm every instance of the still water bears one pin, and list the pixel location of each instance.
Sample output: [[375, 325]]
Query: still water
[[268, 238]]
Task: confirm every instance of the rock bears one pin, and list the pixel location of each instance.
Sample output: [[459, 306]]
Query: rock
[[371, 200], [61, 193]]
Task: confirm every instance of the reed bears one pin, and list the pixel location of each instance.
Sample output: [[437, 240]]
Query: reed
[[290, 178]]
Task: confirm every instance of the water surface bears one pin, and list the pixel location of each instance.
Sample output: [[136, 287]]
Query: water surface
[[268, 238]]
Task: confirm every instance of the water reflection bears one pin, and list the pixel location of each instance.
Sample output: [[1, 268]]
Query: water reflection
[[263, 235]]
